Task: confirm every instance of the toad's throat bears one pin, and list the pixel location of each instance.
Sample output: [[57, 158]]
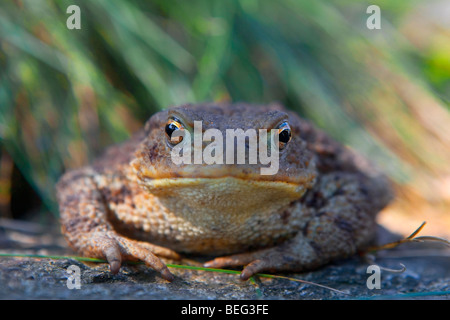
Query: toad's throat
[[222, 215], [222, 199]]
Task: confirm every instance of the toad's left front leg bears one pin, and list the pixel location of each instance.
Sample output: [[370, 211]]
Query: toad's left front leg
[[339, 219]]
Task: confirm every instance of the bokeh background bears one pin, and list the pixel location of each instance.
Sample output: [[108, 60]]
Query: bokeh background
[[66, 94]]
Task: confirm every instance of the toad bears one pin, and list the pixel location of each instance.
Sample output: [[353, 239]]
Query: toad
[[136, 203]]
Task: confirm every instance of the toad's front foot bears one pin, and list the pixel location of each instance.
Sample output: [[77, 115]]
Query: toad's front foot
[[281, 258], [116, 249]]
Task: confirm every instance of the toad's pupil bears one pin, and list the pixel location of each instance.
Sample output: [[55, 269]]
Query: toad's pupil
[[170, 128], [285, 136]]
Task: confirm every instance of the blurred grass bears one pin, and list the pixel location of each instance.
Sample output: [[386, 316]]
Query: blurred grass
[[65, 94]]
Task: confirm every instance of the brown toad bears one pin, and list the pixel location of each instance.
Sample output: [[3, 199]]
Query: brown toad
[[135, 203]]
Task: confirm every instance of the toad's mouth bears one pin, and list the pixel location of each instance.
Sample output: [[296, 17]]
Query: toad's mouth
[[225, 196]]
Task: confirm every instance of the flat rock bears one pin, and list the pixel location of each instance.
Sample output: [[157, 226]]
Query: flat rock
[[427, 276]]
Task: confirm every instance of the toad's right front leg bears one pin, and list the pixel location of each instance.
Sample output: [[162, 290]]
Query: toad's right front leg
[[88, 231]]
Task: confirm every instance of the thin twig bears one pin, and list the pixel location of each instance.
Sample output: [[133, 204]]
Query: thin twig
[[411, 238]]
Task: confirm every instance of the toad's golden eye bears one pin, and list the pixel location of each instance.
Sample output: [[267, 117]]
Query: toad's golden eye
[[284, 135], [174, 131]]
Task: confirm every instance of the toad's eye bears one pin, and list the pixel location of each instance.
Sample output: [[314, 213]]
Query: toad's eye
[[284, 135], [174, 131]]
